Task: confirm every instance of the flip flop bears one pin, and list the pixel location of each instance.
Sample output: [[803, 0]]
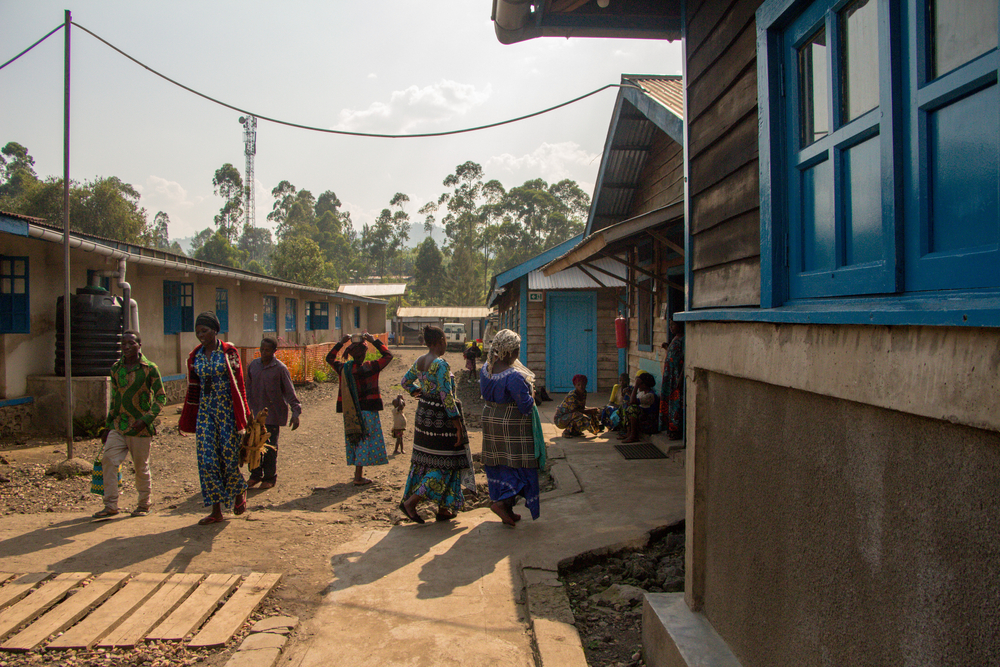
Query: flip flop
[[105, 514], [240, 506], [364, 481], [210, 520], [415, 518]]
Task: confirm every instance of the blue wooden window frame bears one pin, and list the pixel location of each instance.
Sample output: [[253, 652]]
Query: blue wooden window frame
[[291, 313], [178, 307], [336, 319], [357, 317], [317, 315], [908, 268], [222, 308], [270, 312], [15, 295]]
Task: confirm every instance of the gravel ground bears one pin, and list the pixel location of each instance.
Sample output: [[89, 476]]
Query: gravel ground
[[611, 630]]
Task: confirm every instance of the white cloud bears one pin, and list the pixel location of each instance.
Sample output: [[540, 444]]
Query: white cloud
[[166, 193], [373, 75], [414, 107], [551, 162]]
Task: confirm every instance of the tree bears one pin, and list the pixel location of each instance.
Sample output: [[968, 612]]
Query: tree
[[201, 238], [219, 250], [428, 272], [300, 260], [228, 184], [17, 168], [161, 231], [428, 210], [256, 244]]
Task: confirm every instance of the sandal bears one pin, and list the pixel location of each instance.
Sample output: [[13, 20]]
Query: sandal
[[140, 511], [240, 506], [415, 518], [211, 519], [104, 514], [445, 516], [364, 481]]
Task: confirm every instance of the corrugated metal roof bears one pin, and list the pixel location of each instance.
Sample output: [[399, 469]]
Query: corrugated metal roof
[[378, 290], [444, 312], [667, 90], [574, 278]]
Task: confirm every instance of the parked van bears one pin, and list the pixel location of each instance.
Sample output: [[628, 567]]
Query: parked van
[[454, 333]]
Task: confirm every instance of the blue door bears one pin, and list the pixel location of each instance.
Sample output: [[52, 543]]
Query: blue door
[[570, 339]]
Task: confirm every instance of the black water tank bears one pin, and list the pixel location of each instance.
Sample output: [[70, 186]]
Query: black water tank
[[96, 319]]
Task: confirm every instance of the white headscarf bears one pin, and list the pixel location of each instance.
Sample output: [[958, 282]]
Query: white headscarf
[[504, 343]]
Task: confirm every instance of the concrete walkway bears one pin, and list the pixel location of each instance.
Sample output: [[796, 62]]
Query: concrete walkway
[[453, 593]]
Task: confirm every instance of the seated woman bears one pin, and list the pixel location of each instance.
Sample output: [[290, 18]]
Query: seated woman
[[611, 414], [573, 415], [642, 413]]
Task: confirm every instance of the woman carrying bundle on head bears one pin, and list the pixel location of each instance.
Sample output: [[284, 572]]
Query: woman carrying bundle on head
[[513, 446], [440, 460], [216, 411], [360, 400]]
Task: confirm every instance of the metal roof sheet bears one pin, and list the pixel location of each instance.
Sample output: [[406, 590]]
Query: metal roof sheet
[[378, 290], [574, 278], [444, 312], [668, 90]]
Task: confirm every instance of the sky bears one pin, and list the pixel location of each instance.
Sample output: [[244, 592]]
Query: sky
[[378, 66]]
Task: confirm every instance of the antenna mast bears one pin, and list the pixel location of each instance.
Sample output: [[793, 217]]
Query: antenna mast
[[249, 124]]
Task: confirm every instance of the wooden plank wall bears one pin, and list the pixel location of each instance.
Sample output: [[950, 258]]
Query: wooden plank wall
[[662, 179], [724, 186], [535, 358], [607, 353]]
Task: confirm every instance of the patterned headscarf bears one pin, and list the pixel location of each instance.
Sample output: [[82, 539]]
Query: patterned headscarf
[[505, 342]]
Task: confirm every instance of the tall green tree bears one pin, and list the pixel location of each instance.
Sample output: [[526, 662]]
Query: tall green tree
[[219, 250], [256, 244], [428, 273], [161, 231], [300, 260], [17, 172], [228, 184]]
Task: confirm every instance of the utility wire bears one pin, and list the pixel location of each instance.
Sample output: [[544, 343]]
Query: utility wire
[[51, 32], [345, 132]]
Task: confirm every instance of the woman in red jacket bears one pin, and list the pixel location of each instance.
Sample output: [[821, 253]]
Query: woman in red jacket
[[216, 411]]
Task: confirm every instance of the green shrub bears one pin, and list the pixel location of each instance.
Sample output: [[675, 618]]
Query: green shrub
[[319, 376]]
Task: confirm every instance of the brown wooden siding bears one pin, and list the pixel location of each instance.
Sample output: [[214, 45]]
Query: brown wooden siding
[[607, 353], [662, 179], [724, 186], [535, 358]]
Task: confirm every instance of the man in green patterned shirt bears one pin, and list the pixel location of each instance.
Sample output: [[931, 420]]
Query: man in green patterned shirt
[[136, 398]]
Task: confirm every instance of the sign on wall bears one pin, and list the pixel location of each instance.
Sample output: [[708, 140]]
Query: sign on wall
[[535, 296]]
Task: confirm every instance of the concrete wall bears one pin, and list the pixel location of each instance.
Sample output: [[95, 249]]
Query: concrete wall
[[844, 492]]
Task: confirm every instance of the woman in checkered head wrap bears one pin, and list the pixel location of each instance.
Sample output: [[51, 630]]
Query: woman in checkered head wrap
[[513, 447]]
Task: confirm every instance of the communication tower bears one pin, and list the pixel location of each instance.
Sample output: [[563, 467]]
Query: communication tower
[[249, 124]]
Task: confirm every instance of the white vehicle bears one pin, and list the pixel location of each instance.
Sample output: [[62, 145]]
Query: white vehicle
[[454, 333]]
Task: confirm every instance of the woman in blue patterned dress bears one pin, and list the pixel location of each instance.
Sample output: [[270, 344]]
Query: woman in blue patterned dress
[[216, 411], [439, 458]]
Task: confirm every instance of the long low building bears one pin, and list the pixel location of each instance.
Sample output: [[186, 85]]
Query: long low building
[[170, 291]]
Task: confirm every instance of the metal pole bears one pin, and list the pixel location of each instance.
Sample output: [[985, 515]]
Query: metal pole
[[67, 323]]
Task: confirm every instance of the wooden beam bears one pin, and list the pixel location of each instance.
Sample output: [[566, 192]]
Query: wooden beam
[[630, 265], [591, 275], [665, 241], [626, 280]]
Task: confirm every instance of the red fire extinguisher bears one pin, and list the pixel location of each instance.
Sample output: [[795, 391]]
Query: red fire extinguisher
[[621, 333]]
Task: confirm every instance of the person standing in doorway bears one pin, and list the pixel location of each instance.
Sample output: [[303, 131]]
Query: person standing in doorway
[[137, 396], [269, 385]]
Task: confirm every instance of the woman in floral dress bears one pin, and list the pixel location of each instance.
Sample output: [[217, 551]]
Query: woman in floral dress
[[440, 457], [672, 395], [216, 411], [573, 415]]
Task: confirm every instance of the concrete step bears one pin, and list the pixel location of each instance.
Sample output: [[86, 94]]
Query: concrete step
[[675, 636], [674, 449]]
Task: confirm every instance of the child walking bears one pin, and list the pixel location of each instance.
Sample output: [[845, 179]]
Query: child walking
[[398, 423]]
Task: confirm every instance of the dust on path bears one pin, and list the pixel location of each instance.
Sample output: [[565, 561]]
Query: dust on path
[[290, 529]]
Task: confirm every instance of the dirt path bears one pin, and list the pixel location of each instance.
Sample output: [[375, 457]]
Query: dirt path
[[290, 528]]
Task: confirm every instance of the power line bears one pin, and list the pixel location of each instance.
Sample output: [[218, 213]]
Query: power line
[[345, 132], [51, 32]]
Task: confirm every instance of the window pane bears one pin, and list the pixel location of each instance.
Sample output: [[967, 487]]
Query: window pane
[[19, 268], [817, 218], [963, 175], [5, 266], [5, 286], [19, 286], [960, 31], [814, 90], [862, 202], [859, 51]]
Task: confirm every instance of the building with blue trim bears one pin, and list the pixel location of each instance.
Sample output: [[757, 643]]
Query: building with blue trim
[[842, 308]]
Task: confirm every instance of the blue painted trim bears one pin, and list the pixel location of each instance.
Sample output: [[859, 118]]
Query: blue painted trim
[[969, 309], [688, 268], [602, 170], [536, 262], [13, 226], [622, 360], [173, 378], [658, 114], [523, 328], [11, 402]]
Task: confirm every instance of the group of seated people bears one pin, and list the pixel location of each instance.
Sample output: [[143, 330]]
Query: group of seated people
[[633, 411]]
